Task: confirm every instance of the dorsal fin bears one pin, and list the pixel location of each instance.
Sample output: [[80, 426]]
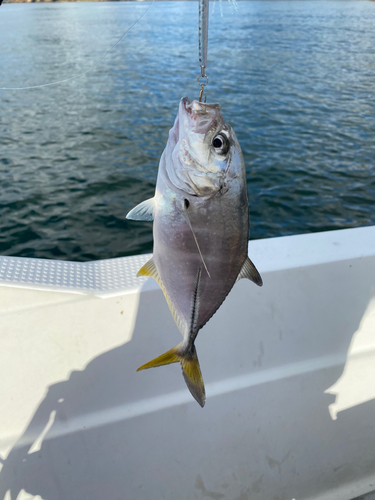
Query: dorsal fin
[[150, 270], [249, 271], [144, 211]]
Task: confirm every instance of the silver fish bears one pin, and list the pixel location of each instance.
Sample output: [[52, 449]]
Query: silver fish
[[201, 225]]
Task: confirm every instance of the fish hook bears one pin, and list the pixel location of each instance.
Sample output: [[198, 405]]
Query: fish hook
[[202, 84]]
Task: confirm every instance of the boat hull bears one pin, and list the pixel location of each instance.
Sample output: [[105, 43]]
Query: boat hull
[[288, 368]]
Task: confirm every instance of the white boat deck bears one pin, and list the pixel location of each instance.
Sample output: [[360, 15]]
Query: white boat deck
[[289, 371]]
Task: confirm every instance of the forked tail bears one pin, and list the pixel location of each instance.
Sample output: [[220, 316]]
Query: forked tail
[[190, 369]]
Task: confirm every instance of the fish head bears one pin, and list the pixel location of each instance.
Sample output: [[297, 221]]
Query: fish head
[[203, 154]]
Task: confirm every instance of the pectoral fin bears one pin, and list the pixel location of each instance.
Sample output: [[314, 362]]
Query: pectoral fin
[[144, 211], [249, 271]]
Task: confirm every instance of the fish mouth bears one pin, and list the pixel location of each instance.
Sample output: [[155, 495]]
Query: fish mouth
[[198, 117], [198, 108], [185, 103]]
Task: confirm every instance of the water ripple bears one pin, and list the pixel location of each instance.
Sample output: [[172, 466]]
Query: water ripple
[[295, 80]]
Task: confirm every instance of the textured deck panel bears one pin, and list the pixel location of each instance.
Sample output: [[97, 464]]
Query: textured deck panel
[[99, 278], [105, 278]]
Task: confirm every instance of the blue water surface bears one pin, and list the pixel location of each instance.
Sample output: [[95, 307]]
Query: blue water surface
[[295, 81]]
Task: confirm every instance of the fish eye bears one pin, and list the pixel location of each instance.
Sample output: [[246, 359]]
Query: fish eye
[[221, 144], [218, 142]]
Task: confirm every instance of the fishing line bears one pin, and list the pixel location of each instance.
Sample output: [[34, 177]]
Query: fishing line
[[233, 7], [186, 205], [203, 17], [89, 68]]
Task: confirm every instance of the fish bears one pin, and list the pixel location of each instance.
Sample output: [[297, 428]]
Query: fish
[[200, 220]]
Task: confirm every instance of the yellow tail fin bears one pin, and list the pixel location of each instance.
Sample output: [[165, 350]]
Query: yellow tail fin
[[190, 369], [167, 358]]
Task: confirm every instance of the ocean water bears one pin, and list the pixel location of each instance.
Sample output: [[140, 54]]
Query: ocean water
[[294, 79]]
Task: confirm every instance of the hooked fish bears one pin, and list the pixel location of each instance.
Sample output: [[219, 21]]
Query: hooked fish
[[201, 225]]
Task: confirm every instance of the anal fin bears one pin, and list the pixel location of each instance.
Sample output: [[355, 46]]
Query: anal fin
[[249, 271], [150, 270]]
